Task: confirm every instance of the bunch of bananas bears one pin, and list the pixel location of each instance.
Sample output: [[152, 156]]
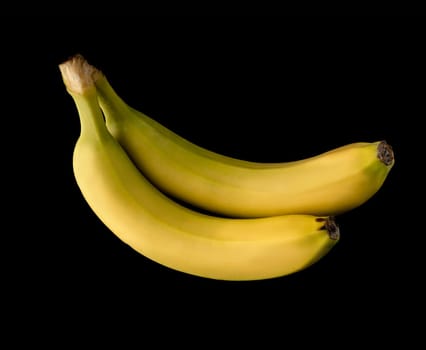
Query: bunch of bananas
[[273, 219]]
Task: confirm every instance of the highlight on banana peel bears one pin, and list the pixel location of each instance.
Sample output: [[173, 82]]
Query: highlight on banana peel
[[273, 219]]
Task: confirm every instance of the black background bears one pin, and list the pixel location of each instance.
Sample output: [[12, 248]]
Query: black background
[[261, 89]]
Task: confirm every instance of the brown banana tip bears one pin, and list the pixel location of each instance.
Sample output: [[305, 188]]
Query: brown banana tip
[[385, 153], [332, 228]]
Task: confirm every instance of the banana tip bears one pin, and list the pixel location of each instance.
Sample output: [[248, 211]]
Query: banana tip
[[332, 228], [385, 153]]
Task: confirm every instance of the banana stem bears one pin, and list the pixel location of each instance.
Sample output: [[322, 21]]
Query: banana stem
[[108, 98], [91, 118], [77, 76]]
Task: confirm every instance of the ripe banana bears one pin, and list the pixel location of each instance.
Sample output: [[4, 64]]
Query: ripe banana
[[173, 235], [327, 184]]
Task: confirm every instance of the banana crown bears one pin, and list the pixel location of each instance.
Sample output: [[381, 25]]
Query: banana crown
[[77, 74]]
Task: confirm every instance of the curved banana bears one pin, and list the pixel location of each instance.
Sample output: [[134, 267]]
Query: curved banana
[[169, 233], [327, 184]]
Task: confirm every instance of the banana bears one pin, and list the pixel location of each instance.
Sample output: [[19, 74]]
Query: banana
[[173, 235], [330, 183]]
